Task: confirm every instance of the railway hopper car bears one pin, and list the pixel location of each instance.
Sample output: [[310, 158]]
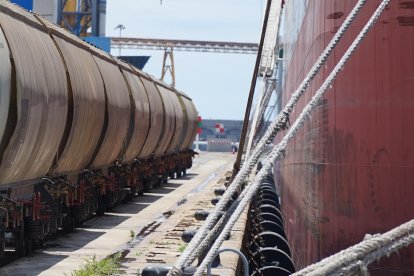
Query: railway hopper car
[[80, 130]]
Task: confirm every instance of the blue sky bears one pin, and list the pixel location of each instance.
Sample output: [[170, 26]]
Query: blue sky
[[218, 83]]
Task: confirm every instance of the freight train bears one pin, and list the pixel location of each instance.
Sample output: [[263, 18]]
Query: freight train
[[80, 130]]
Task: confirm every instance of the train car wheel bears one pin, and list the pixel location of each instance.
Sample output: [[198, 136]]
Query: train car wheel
[[28, 246], [100, 210], [23, 247], [68, 224], [165, 178], [160, 180], [19, 248], [77, 215], [131, 195], [178, 174]]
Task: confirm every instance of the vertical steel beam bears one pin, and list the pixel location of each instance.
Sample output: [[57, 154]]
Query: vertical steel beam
[[168, 67], [95, 19]]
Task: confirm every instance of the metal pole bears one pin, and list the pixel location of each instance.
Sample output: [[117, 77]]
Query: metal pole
[[59, 13], [197, 142], [120, 34], [236, 166], [95, 19], [121, 28], [164, 63], [168, 53]]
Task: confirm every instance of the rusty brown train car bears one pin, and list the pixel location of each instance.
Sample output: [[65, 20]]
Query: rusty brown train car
[[80, 130]]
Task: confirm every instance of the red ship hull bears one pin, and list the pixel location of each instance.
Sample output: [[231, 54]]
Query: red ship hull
[[350, 170]]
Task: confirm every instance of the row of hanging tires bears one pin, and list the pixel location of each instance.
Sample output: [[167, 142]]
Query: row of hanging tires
[[266, 245]]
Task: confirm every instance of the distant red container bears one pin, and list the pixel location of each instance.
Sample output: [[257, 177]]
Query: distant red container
[[350, 170]]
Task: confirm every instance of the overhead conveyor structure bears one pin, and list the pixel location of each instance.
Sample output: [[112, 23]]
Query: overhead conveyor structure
[[184, 45]]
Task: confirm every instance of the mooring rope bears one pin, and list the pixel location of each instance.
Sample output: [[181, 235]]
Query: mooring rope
[[279, 149], [356, 258]]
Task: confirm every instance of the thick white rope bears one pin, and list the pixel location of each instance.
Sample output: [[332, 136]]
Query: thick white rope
[[359, 256], [279, 149], [193, 250]]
